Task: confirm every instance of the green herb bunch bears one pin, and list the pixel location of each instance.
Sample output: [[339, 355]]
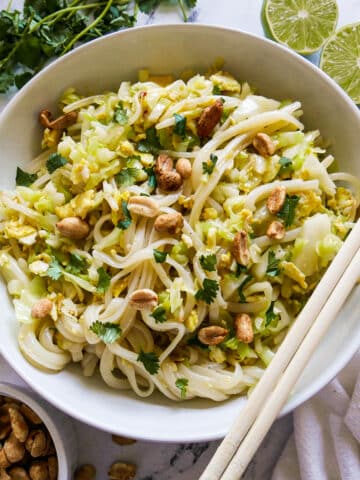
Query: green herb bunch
[[49, 28]]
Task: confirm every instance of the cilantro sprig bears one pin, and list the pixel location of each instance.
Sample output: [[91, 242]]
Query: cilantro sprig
[[120, 114], [241, 287], [270, 315], [208, 167], [180, 125], [208, 262], [108, 332], [55, 161], [159, 256], [24, 179], [209, 291], [126, 221], [104, 280], [272, 269], [150, 361], [181, 384], [159, 314], [127, 176], [287, 212]]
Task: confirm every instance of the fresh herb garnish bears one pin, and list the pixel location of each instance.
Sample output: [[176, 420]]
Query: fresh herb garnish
[[151, 144], [181, 384], [195, 342], [208, 167], [208, 262], [104, 280], [286, 166], [55, 270], [151, 177], [180, 125], [208, 293], [125, 223], [216, 90], [159, 314], [159, 256], [127, 176], [272, 269], [108, 332], [150, 361], [240, 269], [24, 179], [120, 114], [55, 161], [287, 212], [77, 264], [270, 315], [242, 286], [47, 29]]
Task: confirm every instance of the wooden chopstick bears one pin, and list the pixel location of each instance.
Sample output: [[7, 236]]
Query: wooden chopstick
[[287, 349], [273, 405]]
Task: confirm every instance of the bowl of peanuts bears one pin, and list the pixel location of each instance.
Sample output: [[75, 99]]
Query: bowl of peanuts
[[37, 442]]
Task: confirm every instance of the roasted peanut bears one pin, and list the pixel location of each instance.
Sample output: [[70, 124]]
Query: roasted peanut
[[4, 462], [30, 415], [209, 118], [85, 472], [240, 248], [73, 227], [276, 230], [60, 123], [144, 206], [18, 424], [276, 199], [122, 440], [264, 145], [18, 473], [36, 443], [143, 299], [171, 223], [53, 467], [14, 450], [243, 328], [163, 163], [42, 308], [169, 181], [184, 168], [4, 475], [39, 470], [212, 335], [122, 471]]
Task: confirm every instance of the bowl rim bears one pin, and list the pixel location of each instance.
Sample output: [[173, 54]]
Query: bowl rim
[[27, 397], [329, 372]]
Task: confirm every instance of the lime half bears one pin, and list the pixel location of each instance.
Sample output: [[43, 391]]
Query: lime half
[[340, 59], [303, 25]]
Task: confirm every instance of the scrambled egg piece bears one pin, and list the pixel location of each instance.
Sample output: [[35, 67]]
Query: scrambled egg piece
[[50, 138], [15, 230], [192, 321], [309, 203], [80, 205], [343, 203], [293, 272], [225, 82]]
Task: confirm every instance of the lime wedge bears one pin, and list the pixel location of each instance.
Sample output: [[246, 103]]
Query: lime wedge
[[340, 59], [303, 25]]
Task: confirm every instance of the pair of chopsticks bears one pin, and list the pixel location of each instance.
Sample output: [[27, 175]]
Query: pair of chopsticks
[[270, 394]]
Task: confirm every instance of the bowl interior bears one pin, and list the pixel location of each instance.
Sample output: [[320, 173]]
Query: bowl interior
[[101, 66]]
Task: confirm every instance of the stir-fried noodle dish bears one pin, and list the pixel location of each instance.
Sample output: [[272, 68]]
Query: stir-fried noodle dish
[[169, 234]]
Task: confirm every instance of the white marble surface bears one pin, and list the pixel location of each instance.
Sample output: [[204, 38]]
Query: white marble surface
[[159, 461]]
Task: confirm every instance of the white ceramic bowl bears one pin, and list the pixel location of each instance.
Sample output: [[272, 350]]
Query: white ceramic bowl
[[58, 425], [102, 65]]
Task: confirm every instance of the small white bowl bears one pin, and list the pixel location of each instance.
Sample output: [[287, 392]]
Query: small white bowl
[[59, 426], [276, 72]]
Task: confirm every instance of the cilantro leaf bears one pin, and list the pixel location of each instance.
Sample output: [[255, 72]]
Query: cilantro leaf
[[159, 256], [180, 125], [159, 314], [216, 90], [147, 6], [208, 262], [6, 81], [208, 292], [272, 269], [77, 264], [22, 78], [181, 384], [195, 342], [242, 286], [24, 179], [286, 166], [270, 315], [104, 280], [240, 269], [150, 361], [151, 177], [55, 270], [151, 144], [127, 176], [287, 212], [126, 222], [55, 161], [108, 332], [208, 167], [120, 114]]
